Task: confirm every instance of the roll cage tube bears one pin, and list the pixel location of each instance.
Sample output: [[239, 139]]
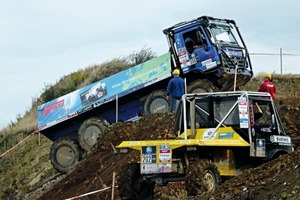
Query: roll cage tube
[[172, 49]]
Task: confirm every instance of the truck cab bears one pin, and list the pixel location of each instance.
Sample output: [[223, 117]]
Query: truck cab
[[250, 115], [210, 47]]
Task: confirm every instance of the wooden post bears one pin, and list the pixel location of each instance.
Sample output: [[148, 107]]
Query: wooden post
[[117, 108], [39, 139], [113, 187], [235, 75]]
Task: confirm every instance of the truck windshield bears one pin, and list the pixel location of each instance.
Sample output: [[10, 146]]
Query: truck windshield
[[205, 117], [224, 34]]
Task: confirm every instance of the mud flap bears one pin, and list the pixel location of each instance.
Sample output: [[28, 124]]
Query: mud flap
[[225, 161]]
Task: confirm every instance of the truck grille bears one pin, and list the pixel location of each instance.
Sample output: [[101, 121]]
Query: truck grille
[[242, 62]]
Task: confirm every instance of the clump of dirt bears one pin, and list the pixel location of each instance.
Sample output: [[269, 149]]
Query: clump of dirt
[[278, 179]]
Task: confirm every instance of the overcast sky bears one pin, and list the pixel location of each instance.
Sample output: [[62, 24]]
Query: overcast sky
[[43, 40]]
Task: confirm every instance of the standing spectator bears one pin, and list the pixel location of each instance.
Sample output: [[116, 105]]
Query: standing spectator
[[268, 86], [175, 89]]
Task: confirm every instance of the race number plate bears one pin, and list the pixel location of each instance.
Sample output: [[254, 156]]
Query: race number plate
[[148, 154], [147, 159]]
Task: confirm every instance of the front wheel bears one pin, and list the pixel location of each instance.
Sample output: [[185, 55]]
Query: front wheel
[[201, 86], [90, 132], [201, 176], [156, 102], [131, 186], [64, 155]]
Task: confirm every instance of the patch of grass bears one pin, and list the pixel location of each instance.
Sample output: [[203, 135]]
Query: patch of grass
[[22, 165]]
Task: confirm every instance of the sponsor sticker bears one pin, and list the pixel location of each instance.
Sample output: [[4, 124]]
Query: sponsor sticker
[[165, 154], [149, 168], [243, 112], [208, 134], [226, 135], [280, 139], [165, 168]]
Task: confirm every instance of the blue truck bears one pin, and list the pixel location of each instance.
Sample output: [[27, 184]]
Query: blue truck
[[210, 54]]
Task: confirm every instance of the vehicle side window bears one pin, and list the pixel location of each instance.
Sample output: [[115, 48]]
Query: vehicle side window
[[264, 117], [194, 39]]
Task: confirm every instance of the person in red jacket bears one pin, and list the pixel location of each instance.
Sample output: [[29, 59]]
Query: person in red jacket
[[268, 86]]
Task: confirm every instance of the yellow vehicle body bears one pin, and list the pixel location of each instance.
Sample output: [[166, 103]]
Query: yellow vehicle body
[[223, 157], [224, 136]]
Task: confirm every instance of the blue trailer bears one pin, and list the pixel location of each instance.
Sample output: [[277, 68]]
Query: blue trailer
[[210, 54]]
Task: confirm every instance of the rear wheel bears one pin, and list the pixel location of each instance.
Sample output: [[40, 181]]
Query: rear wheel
[[201, 86], [90, 132], [131, 186], [65, 155], [156, 102], [201, 176]]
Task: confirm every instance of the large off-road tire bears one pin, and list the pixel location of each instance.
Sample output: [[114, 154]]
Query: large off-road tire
[[131, 186], [201, 176], [65, 155], [156, 102], [201, 86], [90, 132]]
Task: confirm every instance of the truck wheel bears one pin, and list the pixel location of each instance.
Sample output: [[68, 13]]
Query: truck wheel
[[156, 102], [90, 132], [201, 86], [201, 176], [131, 186], [64, 155]]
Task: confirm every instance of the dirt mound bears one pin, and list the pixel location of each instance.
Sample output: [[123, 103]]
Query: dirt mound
[[96, 171], [277, 179]]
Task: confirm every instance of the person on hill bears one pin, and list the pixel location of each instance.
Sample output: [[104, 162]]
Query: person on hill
[[268, 86], [175, 89]]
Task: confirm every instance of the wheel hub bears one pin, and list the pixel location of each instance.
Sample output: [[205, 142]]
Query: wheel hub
[[208, 181]]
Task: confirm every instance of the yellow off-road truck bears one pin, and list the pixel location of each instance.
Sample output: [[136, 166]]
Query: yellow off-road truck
[[218, 134]]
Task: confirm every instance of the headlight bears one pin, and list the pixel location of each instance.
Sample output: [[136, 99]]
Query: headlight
[[124, 150]]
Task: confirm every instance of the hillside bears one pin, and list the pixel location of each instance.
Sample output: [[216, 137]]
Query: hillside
[[26, 171], [270, 180], [96, 171]]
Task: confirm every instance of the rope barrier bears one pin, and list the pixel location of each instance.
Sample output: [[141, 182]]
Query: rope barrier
[[89, 193], [6, 152], [273, 54]]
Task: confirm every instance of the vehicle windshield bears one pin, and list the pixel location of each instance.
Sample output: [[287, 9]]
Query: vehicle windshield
[[224, 34], [221, 108]]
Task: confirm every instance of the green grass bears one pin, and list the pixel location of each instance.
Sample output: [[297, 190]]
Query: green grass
[[25, 167]]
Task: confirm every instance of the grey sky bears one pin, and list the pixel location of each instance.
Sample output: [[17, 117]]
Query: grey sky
[[43, 40]]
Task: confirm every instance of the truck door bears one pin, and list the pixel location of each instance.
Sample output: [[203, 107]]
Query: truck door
[[264, 127], [195, 51]]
